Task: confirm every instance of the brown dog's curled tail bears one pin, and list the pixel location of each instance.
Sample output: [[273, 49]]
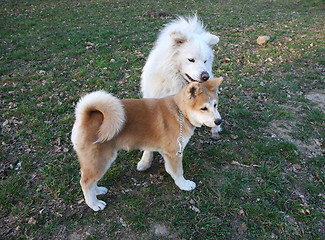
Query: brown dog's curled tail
[[109, 106]]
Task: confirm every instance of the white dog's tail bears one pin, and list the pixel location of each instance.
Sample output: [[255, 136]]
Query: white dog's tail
[[111, 108]]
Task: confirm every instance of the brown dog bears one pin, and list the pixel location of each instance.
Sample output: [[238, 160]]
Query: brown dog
[[105, 124]]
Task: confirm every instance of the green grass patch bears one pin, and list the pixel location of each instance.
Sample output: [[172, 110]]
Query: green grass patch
[[263, 179]]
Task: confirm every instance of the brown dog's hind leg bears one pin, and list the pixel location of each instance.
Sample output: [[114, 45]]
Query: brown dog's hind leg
[[93, 169]]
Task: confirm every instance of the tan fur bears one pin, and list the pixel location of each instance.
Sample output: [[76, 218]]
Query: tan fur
[[145, 124]]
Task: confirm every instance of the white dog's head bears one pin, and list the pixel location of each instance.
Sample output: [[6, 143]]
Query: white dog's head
[[194, 55], [199, 103]]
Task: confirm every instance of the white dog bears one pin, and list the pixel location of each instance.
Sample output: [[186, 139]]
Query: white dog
[[182, 54]]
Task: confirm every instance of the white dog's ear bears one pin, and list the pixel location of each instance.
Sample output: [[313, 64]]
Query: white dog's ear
[[211, 39], [193, 89], [179, 37]]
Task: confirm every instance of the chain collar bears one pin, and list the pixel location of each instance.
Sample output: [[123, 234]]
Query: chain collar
[[180, 139]]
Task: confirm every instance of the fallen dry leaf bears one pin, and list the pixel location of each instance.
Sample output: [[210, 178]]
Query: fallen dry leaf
[[241, 212], [296, 166], [261, 40], [225, 60], [32, 221]]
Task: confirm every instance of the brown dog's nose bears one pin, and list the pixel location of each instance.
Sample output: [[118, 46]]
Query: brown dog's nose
[[205, 76], [218, 121]]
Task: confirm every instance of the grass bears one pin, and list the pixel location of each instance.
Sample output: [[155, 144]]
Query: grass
[[263, 179]]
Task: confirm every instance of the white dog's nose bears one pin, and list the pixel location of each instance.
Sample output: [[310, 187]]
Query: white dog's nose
[[205, 76]]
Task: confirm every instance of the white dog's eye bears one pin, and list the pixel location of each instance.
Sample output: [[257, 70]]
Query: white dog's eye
[[205, 61], [191, 60], [204, 109], [215, 105]]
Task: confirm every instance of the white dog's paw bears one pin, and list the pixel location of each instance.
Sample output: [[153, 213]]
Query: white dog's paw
[[185, 185], [142, 165], [216, 129], [145, 161], [101, 190], [97, 205], [215, 132]]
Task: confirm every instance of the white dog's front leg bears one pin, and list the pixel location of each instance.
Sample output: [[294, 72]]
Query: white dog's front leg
[[145, 162], [174, 167]]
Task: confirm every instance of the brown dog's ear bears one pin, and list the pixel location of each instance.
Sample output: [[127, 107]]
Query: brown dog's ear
[[212, 83], [193, 89]]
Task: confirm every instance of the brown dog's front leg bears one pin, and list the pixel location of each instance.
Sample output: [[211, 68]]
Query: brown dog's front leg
[[174, 166]]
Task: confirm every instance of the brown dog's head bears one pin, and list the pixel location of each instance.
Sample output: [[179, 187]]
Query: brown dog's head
[[199, 103]]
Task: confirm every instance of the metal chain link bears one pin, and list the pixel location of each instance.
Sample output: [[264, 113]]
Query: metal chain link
[[180, 139]]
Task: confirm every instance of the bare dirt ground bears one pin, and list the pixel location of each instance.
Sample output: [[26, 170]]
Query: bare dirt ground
[[284, 129]]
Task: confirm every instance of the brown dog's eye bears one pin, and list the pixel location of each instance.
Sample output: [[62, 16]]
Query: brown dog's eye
[[204, 108], [191, 60]]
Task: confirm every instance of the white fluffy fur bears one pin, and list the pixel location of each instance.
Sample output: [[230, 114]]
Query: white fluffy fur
[[168, 67]]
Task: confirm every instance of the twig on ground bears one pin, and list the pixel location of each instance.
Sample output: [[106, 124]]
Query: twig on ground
[[243, 165]]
